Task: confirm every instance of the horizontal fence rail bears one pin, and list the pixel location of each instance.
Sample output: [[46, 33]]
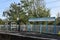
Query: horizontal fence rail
[[30, 28]]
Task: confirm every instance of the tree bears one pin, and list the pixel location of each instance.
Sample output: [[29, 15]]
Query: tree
[[58, 14], [33, 9], [13, 12], [2, 22], [58, 19]]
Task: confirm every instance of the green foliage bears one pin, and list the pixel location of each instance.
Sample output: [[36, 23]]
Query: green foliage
[[33, 8], [59, 33], [58, 21], [1, 22]]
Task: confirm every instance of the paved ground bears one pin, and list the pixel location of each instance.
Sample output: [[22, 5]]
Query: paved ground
[[33, 35]]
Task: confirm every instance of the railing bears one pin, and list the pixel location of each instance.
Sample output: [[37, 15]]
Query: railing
[[29, 28], [8, 27]]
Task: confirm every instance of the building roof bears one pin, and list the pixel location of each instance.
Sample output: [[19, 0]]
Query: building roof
[[42, 19]]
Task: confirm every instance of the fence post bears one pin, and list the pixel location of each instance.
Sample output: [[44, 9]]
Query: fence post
[[46, 26], [28, 28], [55, 26], [40, 27]]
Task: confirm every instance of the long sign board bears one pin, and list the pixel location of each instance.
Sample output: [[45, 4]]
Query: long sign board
[[42, 19]]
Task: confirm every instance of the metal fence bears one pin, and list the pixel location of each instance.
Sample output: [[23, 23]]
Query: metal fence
[[30, 28]]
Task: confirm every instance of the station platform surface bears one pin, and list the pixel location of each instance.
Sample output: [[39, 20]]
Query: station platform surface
[[36, 35]]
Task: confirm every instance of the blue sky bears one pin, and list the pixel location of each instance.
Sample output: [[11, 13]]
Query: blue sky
[[53, 6], [4, 4]]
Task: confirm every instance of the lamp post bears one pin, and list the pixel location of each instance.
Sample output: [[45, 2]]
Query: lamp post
[[9, 24], [18, 19], [18, 23], [28, 27]]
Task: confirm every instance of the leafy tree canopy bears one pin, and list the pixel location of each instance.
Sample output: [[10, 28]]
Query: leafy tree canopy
[[27, 9]]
